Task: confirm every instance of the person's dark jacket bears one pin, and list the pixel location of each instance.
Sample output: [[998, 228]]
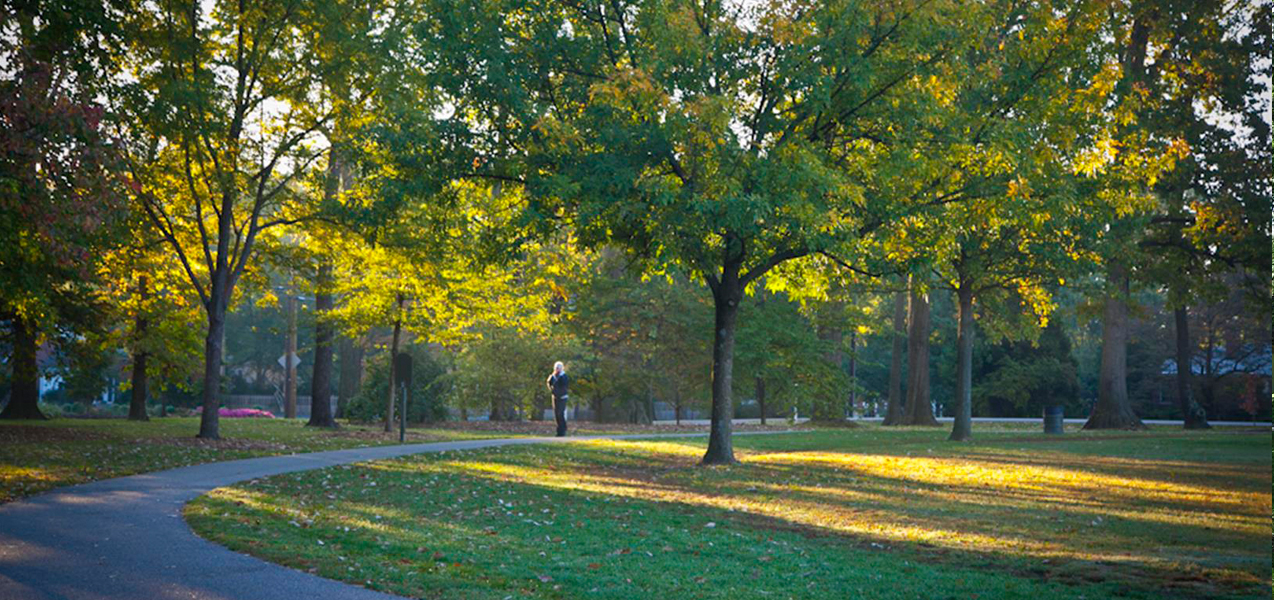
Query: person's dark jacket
[[560, 384]]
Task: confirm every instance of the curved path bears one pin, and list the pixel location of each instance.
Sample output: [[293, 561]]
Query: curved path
[[125, 538]]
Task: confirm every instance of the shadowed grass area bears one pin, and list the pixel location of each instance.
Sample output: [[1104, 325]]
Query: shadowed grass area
[[872, 512]]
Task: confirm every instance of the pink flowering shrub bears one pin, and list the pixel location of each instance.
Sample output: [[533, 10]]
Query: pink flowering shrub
[[240, 413]]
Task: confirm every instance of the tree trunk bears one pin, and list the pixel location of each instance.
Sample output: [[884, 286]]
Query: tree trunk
[[393, 354], [853, 374], [351, 355], [1192, 415], [24, 396], [963, 428], [919, 409], [726, 297], [676, 404], [209, 421], [321, 381], [137, 405], [893, 410], [1113, 410], [760, 397], [833, 411], [289, 350], [501, 408]]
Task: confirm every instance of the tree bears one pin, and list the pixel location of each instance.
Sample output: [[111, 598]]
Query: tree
[[151, 309], [893, 410], [1232, 344], [644, 338], [1146, 155], [919, 407], [1018, 378], [223, 128], [723, 139], [60, 195], [1214, 216], [785, 360]]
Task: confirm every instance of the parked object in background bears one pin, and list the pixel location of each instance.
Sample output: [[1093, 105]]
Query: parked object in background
[[1053, 416]]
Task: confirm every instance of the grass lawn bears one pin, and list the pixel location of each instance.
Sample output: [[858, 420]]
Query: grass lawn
[[39, 455], [857, 513]]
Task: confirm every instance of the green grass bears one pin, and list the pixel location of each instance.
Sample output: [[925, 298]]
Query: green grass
[[869, 512], [36, 456], [39, 455]]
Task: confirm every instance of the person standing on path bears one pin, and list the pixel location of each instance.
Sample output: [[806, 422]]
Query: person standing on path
[[559, 383]]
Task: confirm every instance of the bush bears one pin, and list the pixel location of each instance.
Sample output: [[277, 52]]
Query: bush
[[428, 386], [153, 410], [77, 409]]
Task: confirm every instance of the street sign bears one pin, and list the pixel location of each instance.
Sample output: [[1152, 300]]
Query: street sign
[[296, 360], [402, 369]]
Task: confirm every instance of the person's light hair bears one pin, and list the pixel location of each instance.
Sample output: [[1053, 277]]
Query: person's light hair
[[558, 366]]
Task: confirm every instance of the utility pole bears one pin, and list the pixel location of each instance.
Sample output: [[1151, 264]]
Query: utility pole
[[289, 398]]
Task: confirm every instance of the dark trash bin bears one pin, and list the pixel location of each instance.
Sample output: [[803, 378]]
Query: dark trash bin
[[1053, 420]]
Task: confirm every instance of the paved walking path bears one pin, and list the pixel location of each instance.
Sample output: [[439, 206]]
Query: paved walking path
[[125, 538]]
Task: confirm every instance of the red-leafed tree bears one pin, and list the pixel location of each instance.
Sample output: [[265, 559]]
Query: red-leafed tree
[[60, 196]]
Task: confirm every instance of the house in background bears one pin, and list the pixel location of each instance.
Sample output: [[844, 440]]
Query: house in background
[[1230, 385]]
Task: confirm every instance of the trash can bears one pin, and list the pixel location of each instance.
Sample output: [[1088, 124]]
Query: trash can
[[1053, 420]]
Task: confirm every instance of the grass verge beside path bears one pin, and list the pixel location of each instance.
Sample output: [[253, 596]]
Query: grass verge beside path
[[869, 513], [40, 455]]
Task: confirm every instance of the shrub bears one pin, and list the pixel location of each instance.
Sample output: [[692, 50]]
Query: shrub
[[428, 386]]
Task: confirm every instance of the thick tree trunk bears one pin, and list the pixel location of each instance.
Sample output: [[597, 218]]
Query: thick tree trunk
[[351, 355], [210, 421], [1193, 415], [919, 409], [760, 397], [1113, 410], [393, 354], [893, 411], [963, 428], [726, 298], [24, 396], [137, 405], [289, 350], [321, 381]]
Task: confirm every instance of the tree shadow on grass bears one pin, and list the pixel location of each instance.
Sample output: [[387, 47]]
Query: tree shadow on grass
[[938, 519]]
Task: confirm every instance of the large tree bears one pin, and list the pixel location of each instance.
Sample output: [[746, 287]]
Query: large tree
[[226, 126], [1192, 133], [1215, 205], [60, 197], [724, 139]]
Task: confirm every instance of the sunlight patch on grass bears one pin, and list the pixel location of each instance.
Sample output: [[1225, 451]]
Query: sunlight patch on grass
[[853, 487]]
